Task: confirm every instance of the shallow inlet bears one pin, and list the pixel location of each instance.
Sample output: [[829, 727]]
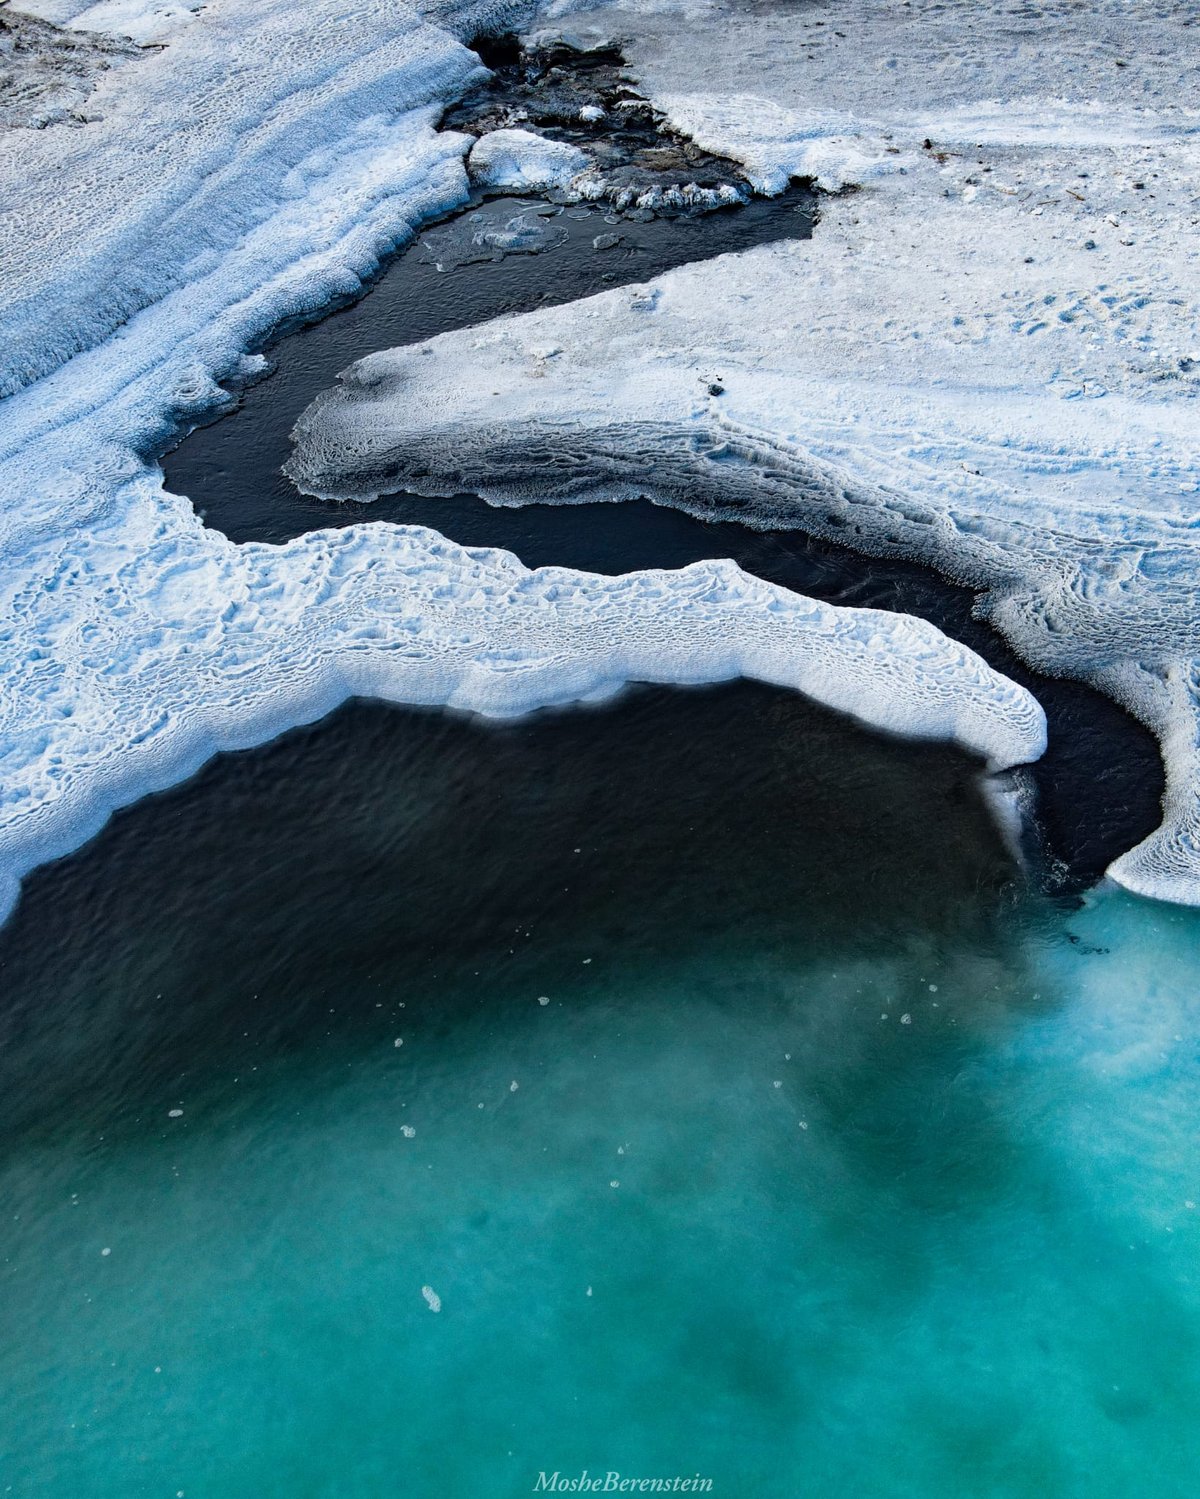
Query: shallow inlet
[[231, 468], [1099, 786], [751, 1118]]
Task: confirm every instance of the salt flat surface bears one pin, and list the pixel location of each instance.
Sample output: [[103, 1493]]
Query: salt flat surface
[[258, 165], [988, 357]]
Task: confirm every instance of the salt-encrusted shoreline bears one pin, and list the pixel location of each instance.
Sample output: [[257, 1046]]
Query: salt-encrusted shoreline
[[155, 245], [989, 359]]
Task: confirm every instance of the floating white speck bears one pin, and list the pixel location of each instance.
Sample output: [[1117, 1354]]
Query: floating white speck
[[543, 999], [174, 1113], [399, 1041], [906, 1020], [804, 1124], [513, 1086], [433, 1300], [933, 988], [778, 1083], [407, 1131], [589, 1290], [106, 1251], [614, 1183]]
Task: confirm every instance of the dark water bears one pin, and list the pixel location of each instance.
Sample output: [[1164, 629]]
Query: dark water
[[751, 1118], [231, 470], [399, 841]]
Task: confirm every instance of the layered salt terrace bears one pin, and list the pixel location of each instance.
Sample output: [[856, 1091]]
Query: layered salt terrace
[[988, 358], [257, 167]]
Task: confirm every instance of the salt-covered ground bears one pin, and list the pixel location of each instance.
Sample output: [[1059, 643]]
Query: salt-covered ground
[[253, 167], [47, 73], [988, 357]]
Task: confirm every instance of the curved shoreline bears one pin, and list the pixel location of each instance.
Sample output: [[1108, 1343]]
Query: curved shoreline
[[137, 634], [1096, 793]]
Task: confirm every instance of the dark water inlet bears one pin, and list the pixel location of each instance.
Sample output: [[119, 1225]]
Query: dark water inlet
[[404, 847], [231, 468], [1099, 785]]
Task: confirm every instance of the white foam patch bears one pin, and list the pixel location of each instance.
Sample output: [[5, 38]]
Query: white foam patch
[[775, 144], [522, 160], [988, 359]]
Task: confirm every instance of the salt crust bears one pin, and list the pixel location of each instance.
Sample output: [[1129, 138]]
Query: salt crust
[[521, 159], [988, 358]]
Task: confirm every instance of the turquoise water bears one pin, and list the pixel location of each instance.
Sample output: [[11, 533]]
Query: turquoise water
[[836, 1162]]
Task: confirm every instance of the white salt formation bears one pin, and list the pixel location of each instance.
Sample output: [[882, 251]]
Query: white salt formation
[[988, 358], [520, 159], [185, 155]]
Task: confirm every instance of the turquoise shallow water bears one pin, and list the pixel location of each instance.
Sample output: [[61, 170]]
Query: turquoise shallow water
[[836, 1162]]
